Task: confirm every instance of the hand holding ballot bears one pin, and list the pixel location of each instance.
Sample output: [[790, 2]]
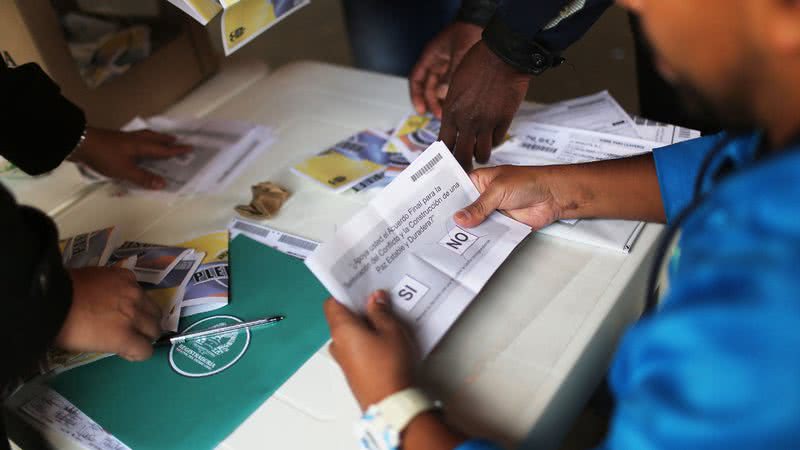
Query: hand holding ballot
[[406, 242], [515, 190], [109, 313], [377, 343]]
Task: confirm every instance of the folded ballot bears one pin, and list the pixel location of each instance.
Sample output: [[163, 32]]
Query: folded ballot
[[406, 242]]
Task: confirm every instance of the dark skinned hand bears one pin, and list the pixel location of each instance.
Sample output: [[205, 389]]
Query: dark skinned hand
[[484, 95], [430, 78]]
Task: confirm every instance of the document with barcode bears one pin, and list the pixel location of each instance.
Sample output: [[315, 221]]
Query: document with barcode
[[406, 242], [285, 243]]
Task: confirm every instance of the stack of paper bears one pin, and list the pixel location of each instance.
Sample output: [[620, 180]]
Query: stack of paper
[[242, 20], [579, 130], [220, 151], [185, 279], [207, 289]]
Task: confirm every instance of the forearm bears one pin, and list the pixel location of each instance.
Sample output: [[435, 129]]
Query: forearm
[[40, 127], [618, 189], [37, 291], [428, 432]]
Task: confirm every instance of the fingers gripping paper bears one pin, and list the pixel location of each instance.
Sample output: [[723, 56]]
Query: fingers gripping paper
[[406, 243]]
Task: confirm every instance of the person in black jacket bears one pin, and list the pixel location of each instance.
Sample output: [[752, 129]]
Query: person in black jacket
[[476, 72], [43, 304]]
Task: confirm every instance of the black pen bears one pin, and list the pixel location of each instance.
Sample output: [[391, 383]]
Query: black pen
[[177, 339]]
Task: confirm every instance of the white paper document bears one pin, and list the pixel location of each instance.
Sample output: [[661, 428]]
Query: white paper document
[[51, 410], [285, 243], [220, 151], [537, 145], [664, 133], [598, 112], [406, 242]]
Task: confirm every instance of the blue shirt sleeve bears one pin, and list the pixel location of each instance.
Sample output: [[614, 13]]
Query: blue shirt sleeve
[[677, 167], [478, 444], [718, 366]]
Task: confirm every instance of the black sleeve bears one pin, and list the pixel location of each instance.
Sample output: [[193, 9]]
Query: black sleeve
[[477, 12], [39, 127], [36, 290], [530, 35]]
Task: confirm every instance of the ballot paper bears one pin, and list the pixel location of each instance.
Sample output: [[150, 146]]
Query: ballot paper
[[220, 151], [207, 289], [168, 294], [285, 243], [49, 409], [663, 132], [597, 112], [537, 144], [244, 20], [349, 162], [89, 249], [153, 261], [406, 242], [413, 135]]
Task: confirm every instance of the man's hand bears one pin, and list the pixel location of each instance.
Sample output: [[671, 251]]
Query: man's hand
[[484, 95], [624, 189], [376, 352], [109, 313], [430, 78], [518, 191], [116, 154]]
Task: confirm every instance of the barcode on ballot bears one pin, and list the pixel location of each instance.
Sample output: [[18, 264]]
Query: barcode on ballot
[[538, 147], [296, 242], [427, 167], [684, 133], [248, 228]]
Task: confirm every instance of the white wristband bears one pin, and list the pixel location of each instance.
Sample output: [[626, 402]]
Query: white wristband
[[382, 423]]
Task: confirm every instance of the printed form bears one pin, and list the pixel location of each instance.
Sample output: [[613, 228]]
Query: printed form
[[406, 242]]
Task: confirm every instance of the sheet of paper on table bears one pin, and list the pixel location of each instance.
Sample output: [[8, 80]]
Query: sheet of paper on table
[[348, 162], [286, 243], [221, 150], [664, 133], [538, 144], [597, 112], [49, 409], [602, 113], [406, 242]]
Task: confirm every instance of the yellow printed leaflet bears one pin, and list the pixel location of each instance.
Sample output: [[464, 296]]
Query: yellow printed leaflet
[[205, 8], [337, 171], [244, 21]]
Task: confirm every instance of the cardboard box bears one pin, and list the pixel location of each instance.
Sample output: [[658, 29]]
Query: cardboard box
[[30, 32]]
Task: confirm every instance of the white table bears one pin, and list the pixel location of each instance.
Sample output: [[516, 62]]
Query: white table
[[525, 355]]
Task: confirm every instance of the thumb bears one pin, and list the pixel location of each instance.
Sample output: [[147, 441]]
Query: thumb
[[143, 178], [474, 214], [379, 312]]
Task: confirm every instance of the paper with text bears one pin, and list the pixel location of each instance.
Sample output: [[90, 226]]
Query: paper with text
[[51, 410], [406, 242], [664, 133], [597, 112], [538, 144]]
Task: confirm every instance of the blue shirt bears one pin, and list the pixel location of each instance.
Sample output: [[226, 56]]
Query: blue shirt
[[717, 366]]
